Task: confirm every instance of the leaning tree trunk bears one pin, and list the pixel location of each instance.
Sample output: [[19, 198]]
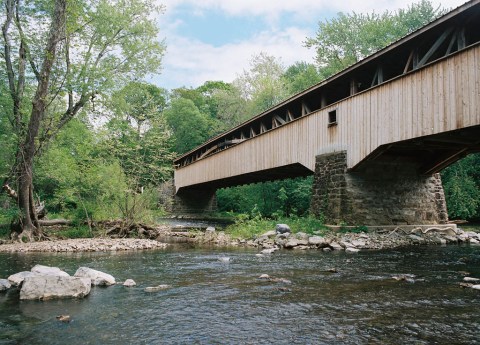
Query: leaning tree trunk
[[29, 221]]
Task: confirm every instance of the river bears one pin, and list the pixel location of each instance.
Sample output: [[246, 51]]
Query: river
[[217, 302]]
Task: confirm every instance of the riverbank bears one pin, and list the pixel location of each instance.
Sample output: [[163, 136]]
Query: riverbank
[[267, 242], [83, 245]]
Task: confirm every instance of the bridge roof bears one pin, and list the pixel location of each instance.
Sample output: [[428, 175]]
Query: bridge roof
[[338, 87]]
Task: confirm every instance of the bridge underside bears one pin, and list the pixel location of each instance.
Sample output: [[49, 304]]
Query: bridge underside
[[279, 173], [432, 153]]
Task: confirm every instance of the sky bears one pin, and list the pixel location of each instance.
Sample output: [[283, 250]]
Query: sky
[[216, 39]]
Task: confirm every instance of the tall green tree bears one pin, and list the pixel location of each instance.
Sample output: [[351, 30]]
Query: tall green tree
[[348, 38], [300, 76], [68, 53], [190, 127]]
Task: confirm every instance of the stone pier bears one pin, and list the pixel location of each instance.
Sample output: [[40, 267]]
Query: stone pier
[[187, 201], [382, 193]]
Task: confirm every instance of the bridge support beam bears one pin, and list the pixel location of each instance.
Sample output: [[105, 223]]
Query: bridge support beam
[[383, 193], [188, 201]]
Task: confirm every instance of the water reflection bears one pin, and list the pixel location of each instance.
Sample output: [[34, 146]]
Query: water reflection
[[218, 302]]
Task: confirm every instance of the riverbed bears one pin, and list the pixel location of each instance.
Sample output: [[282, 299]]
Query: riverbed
[[215, 300]]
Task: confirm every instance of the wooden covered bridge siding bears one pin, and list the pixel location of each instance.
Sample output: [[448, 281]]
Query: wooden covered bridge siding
[[441, 97], [373, 135]]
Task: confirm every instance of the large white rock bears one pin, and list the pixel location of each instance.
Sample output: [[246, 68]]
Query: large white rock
[[4, 284], [49, 271], [129, 283], [49, 287], [96, 277], [17, 278], [317, 241]]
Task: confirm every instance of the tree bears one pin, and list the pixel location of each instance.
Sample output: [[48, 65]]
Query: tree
[[300, 76], [262, 85], [349, 38], [189, 126], [69, 53]]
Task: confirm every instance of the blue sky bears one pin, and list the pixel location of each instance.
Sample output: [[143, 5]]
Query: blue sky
[[216, 39]]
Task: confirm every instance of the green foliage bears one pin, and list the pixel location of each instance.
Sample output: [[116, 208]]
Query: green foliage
[[461, 183], [189, 126], [286, 197], [348, 38], [75, 232], [300, 76], [248, 226]]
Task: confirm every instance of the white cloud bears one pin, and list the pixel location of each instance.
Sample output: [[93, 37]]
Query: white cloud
[[305, 8], [191, 62]]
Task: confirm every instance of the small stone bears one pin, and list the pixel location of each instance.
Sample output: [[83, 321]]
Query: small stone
[[129, 283], [327, 249], [210, 229], [157, 288], [259, 255], [269, 251], [224, 259], [470, 279], [332, 270], [282, 228], [64, 318], [474, 241], [264, 276], [476, 287], [352, 250], [336, 246], [416, 239]]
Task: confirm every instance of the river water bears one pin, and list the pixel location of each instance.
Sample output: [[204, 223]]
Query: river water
[[217, 302]]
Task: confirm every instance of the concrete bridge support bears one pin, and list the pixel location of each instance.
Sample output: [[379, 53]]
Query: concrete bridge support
[[387, 192], [188, 201]]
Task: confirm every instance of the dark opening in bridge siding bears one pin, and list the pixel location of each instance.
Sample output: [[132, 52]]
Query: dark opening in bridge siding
[[332, 118]]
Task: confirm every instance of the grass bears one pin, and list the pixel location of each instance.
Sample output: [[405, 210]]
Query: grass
[[245, 227], [75, 232]]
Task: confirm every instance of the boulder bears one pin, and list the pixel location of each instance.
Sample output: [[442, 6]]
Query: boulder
[[96, 277], [5, 284], [282, 228], [301, 236], [50, 287], [129, 283], [476, 287], [416, 239], [270, 233], [317, 241], [335, 246], [18, 278], [474, 241], [292, 242], [49, 271], [471, 279]]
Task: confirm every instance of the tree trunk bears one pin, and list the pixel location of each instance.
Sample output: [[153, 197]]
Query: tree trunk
[[29, 222]]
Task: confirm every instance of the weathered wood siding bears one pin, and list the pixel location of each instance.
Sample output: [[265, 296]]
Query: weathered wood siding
[[440, 97]]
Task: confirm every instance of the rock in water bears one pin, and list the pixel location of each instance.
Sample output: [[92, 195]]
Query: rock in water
[[64, 318], [96, 277], [51, 287], [49, 271], [18, 278], [282, 228], [157, 288], [129, 283], [471, 279], [4, 284], [224, 259]]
